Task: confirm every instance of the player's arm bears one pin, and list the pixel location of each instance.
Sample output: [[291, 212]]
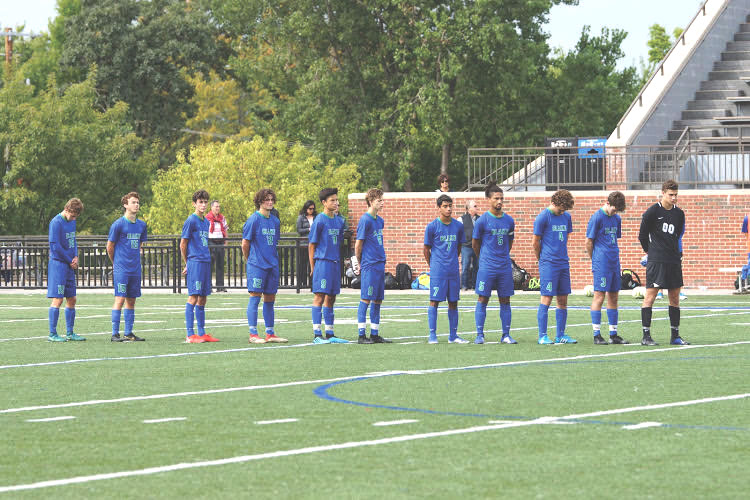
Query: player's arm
[[245, 249], [311, 255], [645, 229], [427, 251], [511, 239], [111, 251], [476, 245], [358, 245], [536, 243], [183, 252], [590, 247]]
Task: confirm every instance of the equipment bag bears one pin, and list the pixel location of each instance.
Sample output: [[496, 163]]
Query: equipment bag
[[403, 276], [629, 280], [520, 276]]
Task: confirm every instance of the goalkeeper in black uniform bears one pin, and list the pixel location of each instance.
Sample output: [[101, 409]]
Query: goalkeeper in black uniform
[[662, 227]]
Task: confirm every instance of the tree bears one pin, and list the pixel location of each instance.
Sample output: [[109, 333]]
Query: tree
[[659, 44], [60, 146], [234, 171]]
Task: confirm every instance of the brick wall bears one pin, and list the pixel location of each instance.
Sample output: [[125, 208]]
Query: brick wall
[[712, 238]]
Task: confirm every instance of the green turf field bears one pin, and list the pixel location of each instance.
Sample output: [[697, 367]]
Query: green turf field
[[165, 419]]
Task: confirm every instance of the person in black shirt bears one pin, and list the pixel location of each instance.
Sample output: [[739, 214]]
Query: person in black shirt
[[662, 227]]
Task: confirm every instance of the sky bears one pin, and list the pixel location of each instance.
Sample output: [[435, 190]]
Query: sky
[[566, 22]]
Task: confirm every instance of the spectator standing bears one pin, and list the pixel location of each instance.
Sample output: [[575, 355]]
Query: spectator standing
[[444, 184], [468, 257], [306, 217], [217, 239]]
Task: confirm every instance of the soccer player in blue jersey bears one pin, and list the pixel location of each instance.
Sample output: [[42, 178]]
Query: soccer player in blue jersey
[[126, 235], [602, 233], [324, 251], [197, 258], [442, 246], [551, 229], [63, 261], [370, 254], [492, 240], [745, 268], [260, 237]]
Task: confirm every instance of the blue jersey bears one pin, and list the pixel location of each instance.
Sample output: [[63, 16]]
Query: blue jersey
[[128, 238], [554, 231], [62, 239], [370, 230], [326, 232], [605, 230], [445, 241], [195, 230], [495, 235], [263, 234]]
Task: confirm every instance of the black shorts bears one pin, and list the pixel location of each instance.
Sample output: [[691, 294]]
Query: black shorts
[[663, 275]]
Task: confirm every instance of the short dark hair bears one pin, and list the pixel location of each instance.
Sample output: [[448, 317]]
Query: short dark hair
[[308, 204], [372, 195], [201, 194], [126, 198], [617, 199], [563, 199], [443, 177], [669, 185], [261, 196], [325, 193], [492, 187], [212, 203], [444, 198]]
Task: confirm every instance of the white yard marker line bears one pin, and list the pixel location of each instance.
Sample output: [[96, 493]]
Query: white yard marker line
[[160, 420], [405, 372], [340, 446], [279, 421], [394, 422], [51, 419], [642, 425]]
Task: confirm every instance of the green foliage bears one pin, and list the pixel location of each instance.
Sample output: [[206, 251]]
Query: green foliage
[[233, 172], [61, 146]]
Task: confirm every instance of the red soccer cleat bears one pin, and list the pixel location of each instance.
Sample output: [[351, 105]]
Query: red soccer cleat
[[208, 338], [195, 339]]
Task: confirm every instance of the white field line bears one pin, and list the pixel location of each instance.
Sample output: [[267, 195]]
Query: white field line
[[278, 421], [368, 375], [340, 446], [161, 420], [642, 425], [50, 419], [395, 422]]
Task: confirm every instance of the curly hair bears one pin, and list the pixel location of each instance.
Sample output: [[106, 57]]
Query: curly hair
[[261, 196], [126, 198], [201, 194], [372, 195], [563, 199], [74, 206]]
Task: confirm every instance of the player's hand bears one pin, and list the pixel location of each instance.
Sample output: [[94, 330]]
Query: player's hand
[[74, 263], [184, 271], [355, 269]]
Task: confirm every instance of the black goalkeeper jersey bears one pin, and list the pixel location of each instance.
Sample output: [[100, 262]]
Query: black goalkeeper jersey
[[661, 233]]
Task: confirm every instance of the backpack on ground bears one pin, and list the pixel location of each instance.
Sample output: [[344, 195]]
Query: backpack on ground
[[520, 276], [403, 276], [629, 279], [390, 282]]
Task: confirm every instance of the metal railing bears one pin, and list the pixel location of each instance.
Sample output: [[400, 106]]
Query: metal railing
[[24, 261]]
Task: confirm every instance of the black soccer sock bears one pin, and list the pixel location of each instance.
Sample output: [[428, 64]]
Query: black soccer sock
[[646, 321], [674, 321]]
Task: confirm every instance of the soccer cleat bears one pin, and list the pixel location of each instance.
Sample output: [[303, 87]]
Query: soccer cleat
[[678, 341], [254, 339], [457, 340], [433, 339], [544, 340], [53, 337], [208, 338], [683, 296], [377, 339], [647, 340], [659, 296], [598, 340], [320, 340], [115, 338], [132, 338], [75, 337], [564, 339], [479, 339], [364, 340], [507, 339], [275, 339], [194, 339], [336, 340], [616, 339]]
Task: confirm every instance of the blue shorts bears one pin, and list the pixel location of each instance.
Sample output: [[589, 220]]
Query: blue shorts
[[326, 277], [262, 280], [61, 280], [495, 279], [372, 282], [199, 278], [607, 279], [442, 288], [127, 285], [554, 281]]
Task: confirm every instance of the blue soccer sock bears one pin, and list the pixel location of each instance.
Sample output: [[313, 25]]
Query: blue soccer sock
[[596, 321], [541, 319], [116, 315], [252, 314], [505, 318], [53, 316], [189, 318], [362, 318], [374, 319], [70, 319], [613, 316], [129, 320], [328, 319], [269, 316], [480, 315], [561, 317], [432, 319], [317, 319], [200, 318], [453, 322]]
